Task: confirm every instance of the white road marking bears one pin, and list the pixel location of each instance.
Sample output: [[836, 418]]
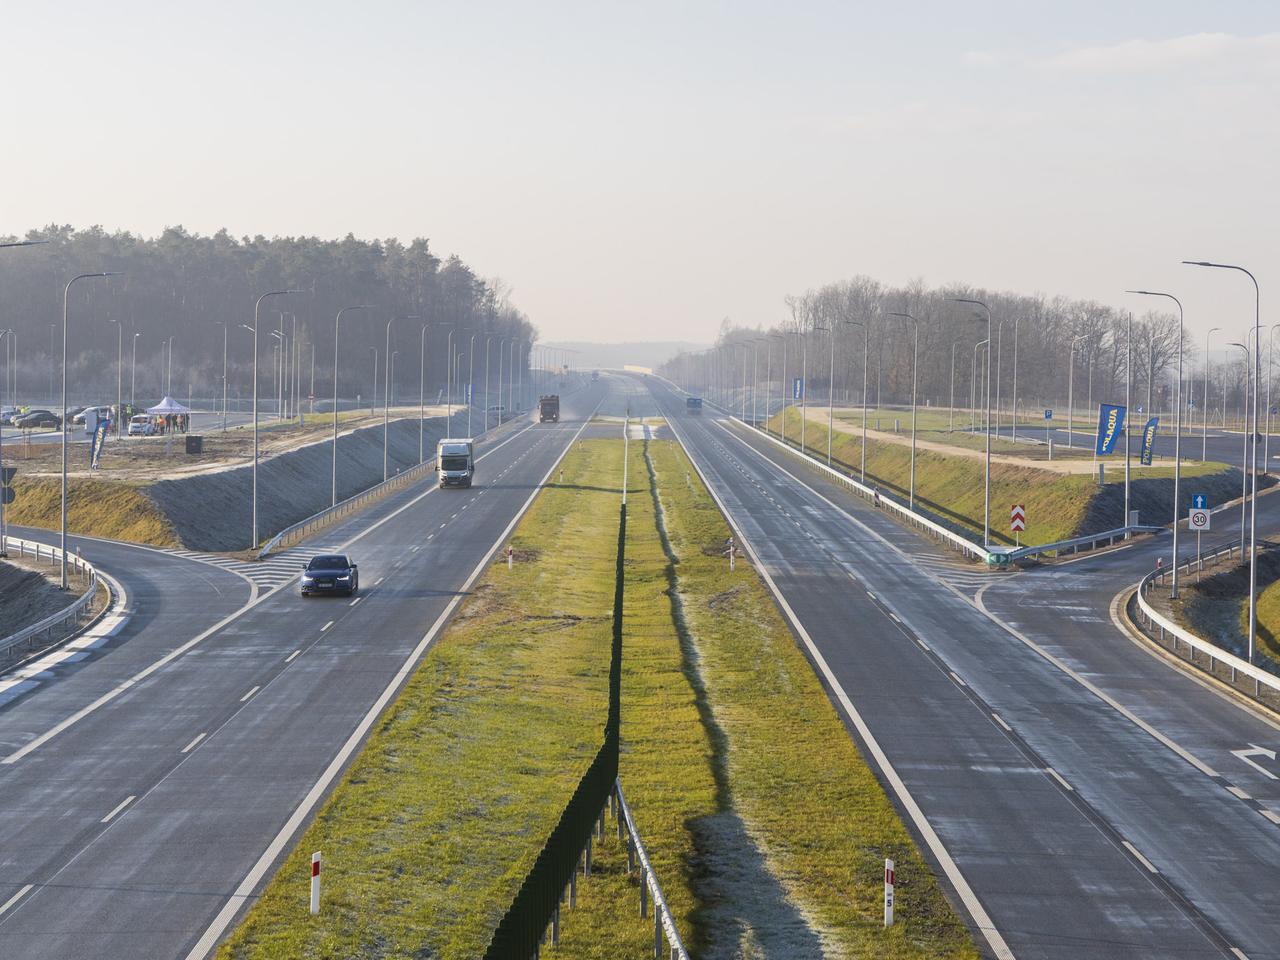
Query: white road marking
[[1000, 720], [1057, 776], [1239, 953], [250, 693], [291, 657], [123, 803], [1141, 859], [1271, 815], [259, 870], [326, 626], [1239, 793], [355, 601], [871, 595], [191, 746], [378, 581], [956, 677], [894, 618], [15, 898]]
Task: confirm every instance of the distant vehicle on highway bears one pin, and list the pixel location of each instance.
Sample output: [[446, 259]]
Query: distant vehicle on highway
[[549, 408], [330, 573], [595, 375], [455, 462], [38, 418], [140, 425], [693, 405]]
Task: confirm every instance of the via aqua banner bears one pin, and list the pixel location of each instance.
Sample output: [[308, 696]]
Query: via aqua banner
[[1149, 440], [1110, 427]]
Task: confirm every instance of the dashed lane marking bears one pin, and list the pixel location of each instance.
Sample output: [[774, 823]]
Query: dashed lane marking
[[192, 745], [250, 693], [1140, 858], [120, 806]]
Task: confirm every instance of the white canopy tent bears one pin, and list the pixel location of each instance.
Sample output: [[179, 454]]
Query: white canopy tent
[[167, 406]]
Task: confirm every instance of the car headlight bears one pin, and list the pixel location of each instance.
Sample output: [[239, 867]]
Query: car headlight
[[307, 579], [345, 576]]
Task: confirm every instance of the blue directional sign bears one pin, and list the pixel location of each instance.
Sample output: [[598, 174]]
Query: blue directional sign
[[797, 389], [1199, 501], [1048, 414]]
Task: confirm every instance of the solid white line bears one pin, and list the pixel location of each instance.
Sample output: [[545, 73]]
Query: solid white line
[[250, 693], [378, 581], [1141, 859], [191, 746], [355, 601], [1239, 793], [1000, 720], [1239, 953], [1271, 815], [326, 626], [123, 803], [246, 887], [956, 677], [15, 898], [979, 914], [291, 657], [894, 618], [871, 595], [1057, 776]]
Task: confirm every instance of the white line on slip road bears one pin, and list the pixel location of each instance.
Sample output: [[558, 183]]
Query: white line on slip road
[[378, 581], [894, 618], [355, 601], [15, 898], [956, 677], [326, 626], [123, 803], [192, 745], [1000, 720], [442, 526], [871, 595], [250, 693], [1141, 859], [293, 656], [278, 843], [1240, 794], [1057, 776], [1271, 815], [1235, 950]]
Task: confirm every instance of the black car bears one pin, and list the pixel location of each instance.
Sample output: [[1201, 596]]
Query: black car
[[38, 418], [330, 573]]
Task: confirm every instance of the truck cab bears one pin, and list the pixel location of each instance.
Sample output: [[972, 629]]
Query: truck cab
[[549, 408], [455, 462], [693, 405]]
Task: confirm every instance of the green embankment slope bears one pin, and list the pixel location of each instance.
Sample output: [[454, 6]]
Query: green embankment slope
[[95, 508]]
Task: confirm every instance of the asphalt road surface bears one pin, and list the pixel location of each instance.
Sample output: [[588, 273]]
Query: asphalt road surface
[[151, 786], [1078, 795]]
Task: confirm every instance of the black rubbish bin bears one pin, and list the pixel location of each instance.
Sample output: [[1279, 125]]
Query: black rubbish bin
[[195, 444]]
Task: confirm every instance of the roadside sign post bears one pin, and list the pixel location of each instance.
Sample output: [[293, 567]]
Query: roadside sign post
[[1199, 520], [1048, 418], [315, 882], [1017, 522], [888, 893]]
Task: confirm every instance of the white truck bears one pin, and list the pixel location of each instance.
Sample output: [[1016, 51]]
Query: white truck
[[455, 462]]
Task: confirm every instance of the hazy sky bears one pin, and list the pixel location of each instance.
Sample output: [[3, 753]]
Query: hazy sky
[[643, 170]]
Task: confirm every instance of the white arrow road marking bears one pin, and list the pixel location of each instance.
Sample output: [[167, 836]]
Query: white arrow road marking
[[1257, 751]]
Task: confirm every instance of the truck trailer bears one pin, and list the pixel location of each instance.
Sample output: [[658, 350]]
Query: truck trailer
[[549, 408]]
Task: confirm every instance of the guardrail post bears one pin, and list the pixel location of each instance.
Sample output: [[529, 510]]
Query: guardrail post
[[644, 893], [573, 887], [657, 931], [555, 928], [586, 863]]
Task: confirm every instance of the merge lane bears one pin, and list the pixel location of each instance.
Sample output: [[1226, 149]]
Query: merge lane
[[1120, 776], [262, 749]]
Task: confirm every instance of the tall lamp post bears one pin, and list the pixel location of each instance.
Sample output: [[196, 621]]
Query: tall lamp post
[[14, 337], [1244, 450], [471, 372], [866, 349], [1253, 496], [915, 372], [66, 292], [224, 326], [119, 372], [257, 314], [336, 321], [1177, 431], [986, 494], [1071, 384], [388, 360], [1204, 429]]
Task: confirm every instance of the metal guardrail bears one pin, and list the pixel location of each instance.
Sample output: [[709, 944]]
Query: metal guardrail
[[71, 613], [663, 924], [1075, 543], [1155, 619]]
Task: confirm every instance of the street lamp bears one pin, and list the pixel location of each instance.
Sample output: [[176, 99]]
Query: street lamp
[[1177, 432], [1244, 455], [471, 372], [1071, 385], [224, 325], [986, 494], [66, 292], [388, 359], [866, 348], [1204, 430], [119, 372], [257, 312], [1253, 512], [915, 372], [336, 321]]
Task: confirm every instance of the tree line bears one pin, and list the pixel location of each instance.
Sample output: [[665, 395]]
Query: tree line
[[188, 287], [1057, 340]]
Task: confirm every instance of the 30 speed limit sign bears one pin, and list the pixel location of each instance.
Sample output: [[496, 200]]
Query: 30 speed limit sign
[[1199, 520]]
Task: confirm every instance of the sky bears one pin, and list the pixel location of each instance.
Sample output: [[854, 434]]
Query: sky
[[645, 170]]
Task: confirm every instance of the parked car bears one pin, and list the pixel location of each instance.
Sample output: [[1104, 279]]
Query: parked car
[[38, 418], [103, 412], [140, 425], [7, 414], [330, 573]]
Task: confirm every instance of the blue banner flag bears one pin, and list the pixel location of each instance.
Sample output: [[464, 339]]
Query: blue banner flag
[[99, 440], [797, 389], [1149, 440], [1110, 426]]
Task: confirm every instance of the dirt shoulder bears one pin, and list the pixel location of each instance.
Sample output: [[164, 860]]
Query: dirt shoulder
[[28, 593]]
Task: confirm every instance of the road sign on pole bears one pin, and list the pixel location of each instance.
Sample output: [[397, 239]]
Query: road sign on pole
[[1018, 518], [8, 495], [1048, 414], [1199, 519], [6, 475], [1199, 501]]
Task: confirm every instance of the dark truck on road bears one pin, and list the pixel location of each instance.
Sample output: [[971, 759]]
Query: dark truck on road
[[693, 405], [549, 408]]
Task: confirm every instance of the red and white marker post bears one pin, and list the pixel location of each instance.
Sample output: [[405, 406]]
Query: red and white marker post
[[888, 893], [1017, 522], [511, 555], [315, 882]]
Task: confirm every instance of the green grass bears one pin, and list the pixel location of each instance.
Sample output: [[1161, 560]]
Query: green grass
[[1268, 621], [952, 487], [429, 834], [733, 753], [95, 508]]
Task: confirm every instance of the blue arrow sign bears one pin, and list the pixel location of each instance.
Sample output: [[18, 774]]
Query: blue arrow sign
[[1199, 501]]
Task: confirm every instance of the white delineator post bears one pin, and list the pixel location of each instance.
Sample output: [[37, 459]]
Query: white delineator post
[[315, 882], [888, 893], [511, 552]]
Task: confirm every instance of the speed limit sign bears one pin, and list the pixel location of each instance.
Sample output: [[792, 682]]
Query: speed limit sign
[[1199, 520]]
